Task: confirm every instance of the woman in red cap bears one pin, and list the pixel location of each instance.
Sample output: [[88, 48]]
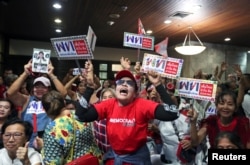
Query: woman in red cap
[[127, 118]]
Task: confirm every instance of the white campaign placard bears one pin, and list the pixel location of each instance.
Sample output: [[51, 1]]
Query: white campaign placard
[[138, 41], [91, 38], [40, 60], [167, 67], [196, 88], [73, 47]]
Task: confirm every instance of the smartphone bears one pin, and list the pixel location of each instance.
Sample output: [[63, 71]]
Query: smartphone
[[78, 71]]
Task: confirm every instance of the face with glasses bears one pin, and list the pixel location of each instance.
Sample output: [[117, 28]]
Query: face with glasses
[[125, 90], [14, 137]]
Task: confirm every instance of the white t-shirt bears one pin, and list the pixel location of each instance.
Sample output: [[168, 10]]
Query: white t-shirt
[[170, 139], [33, 155], [246, 104], [211, 109]]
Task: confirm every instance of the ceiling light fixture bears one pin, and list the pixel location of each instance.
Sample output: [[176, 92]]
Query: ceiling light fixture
[[196, 7], [168, 21], [124, 8], [189, 49], [149, 32], [58, 30], [57, 6], [115, 16], [58, 20], [110, 23]]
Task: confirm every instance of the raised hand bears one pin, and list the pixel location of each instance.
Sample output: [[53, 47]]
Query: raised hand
[[50, 68], [216, 71], [223, 66], [89, 66], [154, 78], [28, 67], [89, 73], [126, 63], [137, 67], [22, 152], [198, 74], [237, 70], [192, 114]]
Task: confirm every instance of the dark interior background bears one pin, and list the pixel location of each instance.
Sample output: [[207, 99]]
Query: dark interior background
[[214, 21], [34, 20]]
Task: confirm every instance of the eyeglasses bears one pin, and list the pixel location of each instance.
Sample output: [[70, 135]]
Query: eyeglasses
[[16, 135], [129, 82]]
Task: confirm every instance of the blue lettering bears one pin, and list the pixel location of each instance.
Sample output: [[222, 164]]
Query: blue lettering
[[189, 86], [148, 61], [134, 39], [193, 85], [34, 105], [65, 46], [160, 62], [184, 85], [70, 45], [138, 40], [210, 109], [130, 38]]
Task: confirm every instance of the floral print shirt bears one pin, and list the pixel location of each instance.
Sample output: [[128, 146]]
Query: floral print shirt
[[59, 139]]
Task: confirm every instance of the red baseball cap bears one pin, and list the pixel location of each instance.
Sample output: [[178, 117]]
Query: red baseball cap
[[126, 73]]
